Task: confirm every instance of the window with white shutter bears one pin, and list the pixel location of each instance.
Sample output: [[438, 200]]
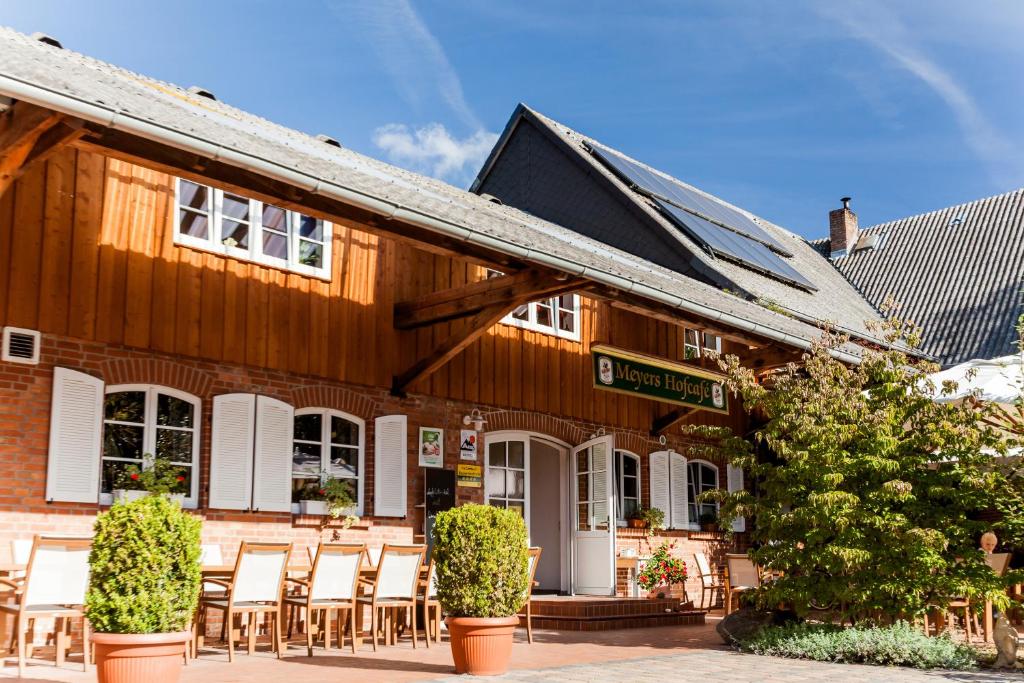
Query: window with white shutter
[[231, 451], [390, 450], [677, 475], [76, 418], [702, 476], [659, 479], [734, 478], [272, 464]]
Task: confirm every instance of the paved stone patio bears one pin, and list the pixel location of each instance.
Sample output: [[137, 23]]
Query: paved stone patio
[[692, 653]]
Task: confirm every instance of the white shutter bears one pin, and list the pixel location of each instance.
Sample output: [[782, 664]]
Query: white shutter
[[734, 479], [660, 485], [272, 468], [680, 492], [76, 424], [390, 460], [231, 443]]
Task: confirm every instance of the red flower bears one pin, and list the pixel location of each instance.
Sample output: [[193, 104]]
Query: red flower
[[323, 492], [134, 476], [181, 477]]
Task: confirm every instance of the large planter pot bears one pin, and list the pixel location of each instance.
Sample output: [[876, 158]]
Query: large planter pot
[[134, 657], [481, 646]]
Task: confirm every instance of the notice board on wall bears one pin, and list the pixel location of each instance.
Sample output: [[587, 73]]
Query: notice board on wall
[[439, 495]]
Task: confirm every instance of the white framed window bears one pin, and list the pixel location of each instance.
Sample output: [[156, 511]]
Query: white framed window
[[627, 484], [696, 343], [327, 442], [226, 223], [145, 419], [559, 315], [701, 476], [506, 475]]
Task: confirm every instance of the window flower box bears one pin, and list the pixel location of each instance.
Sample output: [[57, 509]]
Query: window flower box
[[128, 495], [313, 507]]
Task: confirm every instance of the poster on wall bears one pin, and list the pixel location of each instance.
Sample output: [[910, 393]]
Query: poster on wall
[[469, 476], [431, 447], [467, 445]]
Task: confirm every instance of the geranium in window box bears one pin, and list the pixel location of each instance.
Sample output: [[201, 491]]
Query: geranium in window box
[[314, 501], [155, 477]]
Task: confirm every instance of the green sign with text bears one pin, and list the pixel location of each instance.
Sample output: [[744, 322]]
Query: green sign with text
[[631, 373]]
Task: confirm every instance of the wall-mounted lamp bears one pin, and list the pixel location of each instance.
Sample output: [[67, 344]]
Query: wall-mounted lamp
[[476, 419], [662, 440], [600, 432]]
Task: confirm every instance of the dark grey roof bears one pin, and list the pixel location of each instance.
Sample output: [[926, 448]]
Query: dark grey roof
[[958, 272], [101, 93], [835, 301]]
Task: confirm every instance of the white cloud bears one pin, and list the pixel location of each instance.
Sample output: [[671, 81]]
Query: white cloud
[[875, 24], [410, 53], [433, 150]]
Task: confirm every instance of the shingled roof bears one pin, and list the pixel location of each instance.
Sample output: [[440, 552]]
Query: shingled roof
[[109, 97], [561, 187], [958, 272]]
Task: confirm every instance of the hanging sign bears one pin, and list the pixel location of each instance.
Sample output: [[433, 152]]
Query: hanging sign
[[626, 372], [469, 475]]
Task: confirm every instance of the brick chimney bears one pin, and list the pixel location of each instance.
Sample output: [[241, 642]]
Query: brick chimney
[[842, 229]]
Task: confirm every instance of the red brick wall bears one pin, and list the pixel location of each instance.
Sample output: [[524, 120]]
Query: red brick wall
[[25, 392]]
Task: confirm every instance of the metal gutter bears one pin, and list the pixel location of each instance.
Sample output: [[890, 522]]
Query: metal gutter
[[120, 120]]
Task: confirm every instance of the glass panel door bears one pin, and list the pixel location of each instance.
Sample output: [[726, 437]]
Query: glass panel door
[[507, 481], [594, 528]]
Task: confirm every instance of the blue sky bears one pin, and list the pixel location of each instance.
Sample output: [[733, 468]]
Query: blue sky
[[779, 107]]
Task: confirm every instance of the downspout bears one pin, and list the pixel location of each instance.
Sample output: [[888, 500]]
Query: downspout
[[120, 120]]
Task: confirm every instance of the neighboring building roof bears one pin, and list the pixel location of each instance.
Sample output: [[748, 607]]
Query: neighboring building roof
[[957, 272], [112, 97], [521, 172]]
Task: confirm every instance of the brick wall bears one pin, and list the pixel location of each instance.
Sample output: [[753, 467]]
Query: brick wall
[[25, 393]]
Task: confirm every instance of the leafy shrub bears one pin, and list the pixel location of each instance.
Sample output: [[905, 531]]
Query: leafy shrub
[[481, 561], [144, 568], [896, 645]]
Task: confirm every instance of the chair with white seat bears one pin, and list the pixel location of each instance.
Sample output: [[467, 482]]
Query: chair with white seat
[[527, 609], [373, 556], [55, 582], [431, 607], [709, 582], [741, 576], [255, 588], [395, 586], [332, 586]]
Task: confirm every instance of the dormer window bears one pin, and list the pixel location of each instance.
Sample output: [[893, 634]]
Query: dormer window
[[696, 344], [233, 225]]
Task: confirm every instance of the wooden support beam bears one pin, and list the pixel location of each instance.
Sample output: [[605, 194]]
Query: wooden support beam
[[663, 423], [462, 302], [770, 357], [20, 129], [52, 141], [452, 346]]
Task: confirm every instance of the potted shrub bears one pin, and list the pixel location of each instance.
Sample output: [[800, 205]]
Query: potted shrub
[[708, 521], [313, 500], [340, 499], [661, 572], [144, 585], [636, 519], [481, 560], [156, 477], [654, 519]]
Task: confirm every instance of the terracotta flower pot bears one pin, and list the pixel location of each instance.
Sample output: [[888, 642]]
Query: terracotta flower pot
[[133, 657], [481, 646]]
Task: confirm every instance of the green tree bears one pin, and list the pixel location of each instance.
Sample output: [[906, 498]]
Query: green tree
[[866, 491]]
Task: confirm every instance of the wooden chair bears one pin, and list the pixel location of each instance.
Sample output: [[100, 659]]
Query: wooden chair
[[255, 588], [527, 610], [54, 585], [333, 584], [428, 600], [709, 582], [741, 575], [395, 587], [958, 604]]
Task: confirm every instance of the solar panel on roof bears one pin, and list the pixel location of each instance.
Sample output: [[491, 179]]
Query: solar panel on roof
[[733, 246], [684, 197]]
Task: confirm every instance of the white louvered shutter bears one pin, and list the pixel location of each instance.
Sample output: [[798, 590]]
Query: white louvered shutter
[[734, 479], [660, 485], [231, 444], [680, 491], [76, 425], [390, 459], [272, 463]]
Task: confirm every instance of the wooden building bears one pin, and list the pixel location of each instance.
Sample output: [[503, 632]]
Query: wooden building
[[260, 307]]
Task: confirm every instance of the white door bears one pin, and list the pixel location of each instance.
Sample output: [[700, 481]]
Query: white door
[[594, 523]]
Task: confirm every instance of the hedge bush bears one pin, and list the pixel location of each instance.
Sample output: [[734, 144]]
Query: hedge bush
[[481, 560], [145, 574], [896, 645]]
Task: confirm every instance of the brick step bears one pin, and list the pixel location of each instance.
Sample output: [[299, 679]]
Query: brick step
[[611, 623], [561, 606]]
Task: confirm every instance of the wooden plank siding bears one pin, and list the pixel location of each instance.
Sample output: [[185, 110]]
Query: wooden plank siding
[[86, 247]]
